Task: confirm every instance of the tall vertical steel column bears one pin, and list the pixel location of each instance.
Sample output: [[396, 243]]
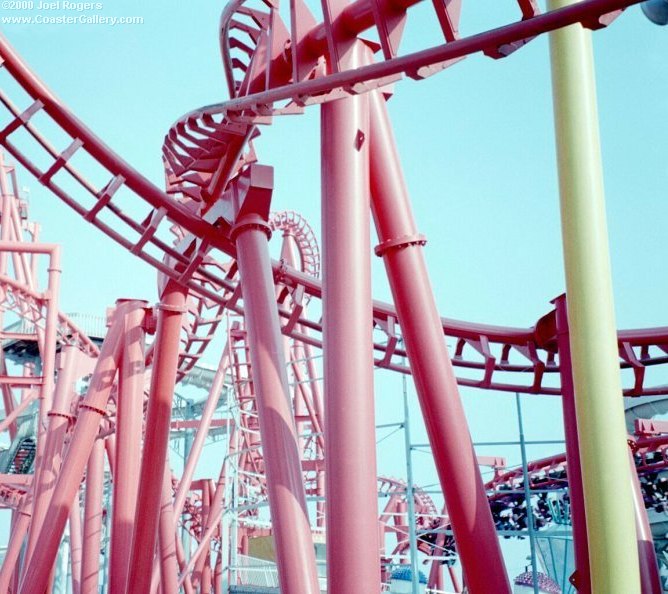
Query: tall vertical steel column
[[129, 421], [582, 576], [295, 554], [170, 312], [92, 530], [435, 382], [353, 545], [593, 338]]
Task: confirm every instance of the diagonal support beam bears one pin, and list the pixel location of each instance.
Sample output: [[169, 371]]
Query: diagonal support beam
[[295, 553], [401, 248]]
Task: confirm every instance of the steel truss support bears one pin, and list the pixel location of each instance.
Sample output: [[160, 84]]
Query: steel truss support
[[350, 436], [600, 414], [170, 312], [295, 554], [435, 383], [92, 410]]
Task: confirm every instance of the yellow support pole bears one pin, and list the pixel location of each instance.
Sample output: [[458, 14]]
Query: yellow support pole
[[600, 413]]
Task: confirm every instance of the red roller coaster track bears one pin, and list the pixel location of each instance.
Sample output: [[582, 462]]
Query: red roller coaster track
[[206, 235]]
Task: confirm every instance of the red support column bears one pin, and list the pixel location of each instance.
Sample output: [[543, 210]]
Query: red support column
[[163, 378], [59, 419], [48, 353], [47, 346], [127, 459], [435, 382], [353, 547], [13, 552], [453, 579], [88, 423], [582, 576], [295, 554], [650, 580], [168, 564], [90, 564], [76, 545]]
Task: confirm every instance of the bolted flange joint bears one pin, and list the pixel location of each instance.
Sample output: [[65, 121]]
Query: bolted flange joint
[[250, 221], [400, 243]]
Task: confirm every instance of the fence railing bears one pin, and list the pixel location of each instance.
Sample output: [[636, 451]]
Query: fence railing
[[251, 571]]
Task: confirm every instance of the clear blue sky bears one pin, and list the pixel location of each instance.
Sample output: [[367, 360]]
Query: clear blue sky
[[478, 152]]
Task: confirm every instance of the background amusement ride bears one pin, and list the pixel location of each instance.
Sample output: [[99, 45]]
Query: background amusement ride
[[293, 504]]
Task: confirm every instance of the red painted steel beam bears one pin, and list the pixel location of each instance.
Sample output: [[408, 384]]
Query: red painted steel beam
[[295, 554], [200, 565], [26, 382], [166, 538], [92, 529], [195, 424], [650, 581], [581, 578], [481, 42], [350, 461], [467, 331], [401, 249], [354, 19], [127, 458], [212, 523], [93, 408], [19, 530], [451, 327], [170, 312], [9, 420], [495, 462], [202, 427], [59, 420], [76, 546], [646, 427], [103, 154]]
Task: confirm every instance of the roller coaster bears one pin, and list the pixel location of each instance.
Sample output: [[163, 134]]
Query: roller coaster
[[90, 415]]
